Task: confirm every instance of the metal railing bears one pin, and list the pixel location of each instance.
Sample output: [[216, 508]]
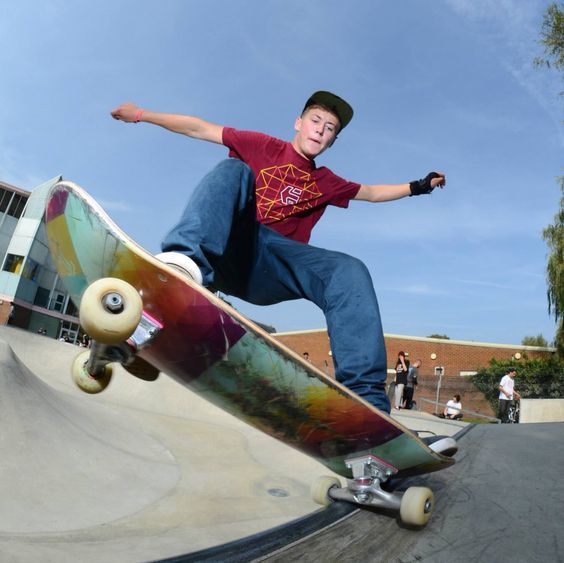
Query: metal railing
[[463, 411]]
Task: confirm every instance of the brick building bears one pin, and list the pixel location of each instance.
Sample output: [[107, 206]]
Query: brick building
[[452, 360]]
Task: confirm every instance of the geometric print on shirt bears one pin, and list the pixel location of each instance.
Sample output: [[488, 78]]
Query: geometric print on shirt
[[282, 191]]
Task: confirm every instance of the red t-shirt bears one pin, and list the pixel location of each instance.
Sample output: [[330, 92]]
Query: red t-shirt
[[291, 192]]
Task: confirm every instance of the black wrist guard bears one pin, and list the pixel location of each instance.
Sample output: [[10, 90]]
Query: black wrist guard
[[423, 186]]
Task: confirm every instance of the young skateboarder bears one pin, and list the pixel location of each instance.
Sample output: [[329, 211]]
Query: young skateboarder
[[246, 228]]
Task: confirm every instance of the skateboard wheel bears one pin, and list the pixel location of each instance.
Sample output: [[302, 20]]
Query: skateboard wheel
[[417, 506], [110, 310], [84, 380], [320, 489]]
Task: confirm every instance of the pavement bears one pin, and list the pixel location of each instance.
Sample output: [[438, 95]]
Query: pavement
[[501, 502], [147, 471]]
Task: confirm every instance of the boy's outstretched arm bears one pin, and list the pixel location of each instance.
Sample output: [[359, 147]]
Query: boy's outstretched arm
[[390, 192], [184, 124]]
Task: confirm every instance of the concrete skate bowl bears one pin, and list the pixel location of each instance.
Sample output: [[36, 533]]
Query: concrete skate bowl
[[143, 471]]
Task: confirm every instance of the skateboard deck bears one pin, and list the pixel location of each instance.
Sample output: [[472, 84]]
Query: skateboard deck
[[223, 357]]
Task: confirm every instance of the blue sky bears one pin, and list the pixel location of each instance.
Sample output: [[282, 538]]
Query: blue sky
[[443, 84]]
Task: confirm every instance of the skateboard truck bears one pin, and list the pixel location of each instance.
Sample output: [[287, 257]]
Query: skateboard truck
[[102, 354], [146, 331], [124, 353], [415, 505], [364, 488]]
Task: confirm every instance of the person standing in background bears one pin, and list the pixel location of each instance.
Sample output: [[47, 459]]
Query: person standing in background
[[409, 390], [402, 368]]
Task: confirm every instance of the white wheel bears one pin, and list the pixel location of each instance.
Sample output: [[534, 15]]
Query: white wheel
[[320, 489], [417, 506], [84, 380], [110, 310]]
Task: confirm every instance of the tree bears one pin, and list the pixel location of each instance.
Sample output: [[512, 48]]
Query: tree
[[440, 336], [538, 340], [552, 38], [554, 237]]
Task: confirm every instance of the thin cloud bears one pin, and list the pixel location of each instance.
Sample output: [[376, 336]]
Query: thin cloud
[[517, 24], [122, 206], [416, 289], [14, 172], [482, 283], [461, 222]]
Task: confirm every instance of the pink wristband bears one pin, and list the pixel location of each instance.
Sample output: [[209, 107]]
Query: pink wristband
[[138, 115]]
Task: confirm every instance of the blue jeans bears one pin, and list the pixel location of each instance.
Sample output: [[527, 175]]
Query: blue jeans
[[241, 257]]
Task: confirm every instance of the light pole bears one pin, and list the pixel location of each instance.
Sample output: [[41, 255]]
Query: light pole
[[439, 370]]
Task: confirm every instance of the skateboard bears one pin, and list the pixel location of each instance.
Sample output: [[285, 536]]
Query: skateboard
[[137, 309]]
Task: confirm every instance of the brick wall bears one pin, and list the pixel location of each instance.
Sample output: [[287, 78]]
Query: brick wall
[[315, 343], [5, 307], [454, 356]]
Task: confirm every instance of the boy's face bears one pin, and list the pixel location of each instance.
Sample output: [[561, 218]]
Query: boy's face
[[316, 131]]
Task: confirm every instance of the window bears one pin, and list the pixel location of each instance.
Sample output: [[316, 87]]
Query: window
[[5, 197], [13, 263], [57, 302], [41, 297], [69, 331], [71, 310], [17, 207], [11, 203], [31, 270]]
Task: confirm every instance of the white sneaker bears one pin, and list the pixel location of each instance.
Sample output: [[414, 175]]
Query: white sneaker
[[182, 264]]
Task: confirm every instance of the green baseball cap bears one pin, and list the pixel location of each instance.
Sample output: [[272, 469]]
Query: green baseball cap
[[333, 103]]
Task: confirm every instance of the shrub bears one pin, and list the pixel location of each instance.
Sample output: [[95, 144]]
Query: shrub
[[535, 379]]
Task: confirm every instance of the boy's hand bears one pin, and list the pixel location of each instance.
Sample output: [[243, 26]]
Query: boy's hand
[[428, 184], [127, 112]]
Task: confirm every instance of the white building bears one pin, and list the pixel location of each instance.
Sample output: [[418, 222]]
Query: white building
[[32, 296]]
